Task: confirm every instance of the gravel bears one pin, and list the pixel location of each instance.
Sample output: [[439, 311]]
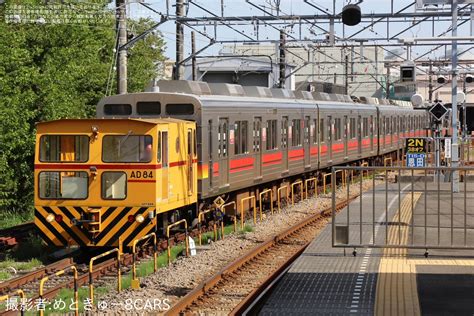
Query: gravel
[[170, 283]]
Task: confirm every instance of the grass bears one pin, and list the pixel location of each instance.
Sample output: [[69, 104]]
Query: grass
[[20, 266], [144, 268], [4, 275], [9, 219]]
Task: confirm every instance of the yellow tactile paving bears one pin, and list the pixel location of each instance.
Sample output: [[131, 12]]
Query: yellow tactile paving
[[396, 292]]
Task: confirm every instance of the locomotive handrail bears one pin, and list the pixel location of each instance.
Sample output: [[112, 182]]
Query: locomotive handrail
[[234, 217], [22, 296], [186, 242], [315, 180], [200, 216], [271, 200], [279, 195], [91, 270], [135, 284], [61, 272], [242, 219], [300, 183]]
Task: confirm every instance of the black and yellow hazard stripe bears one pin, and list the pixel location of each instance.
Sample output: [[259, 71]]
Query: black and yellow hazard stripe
[[115, 226]]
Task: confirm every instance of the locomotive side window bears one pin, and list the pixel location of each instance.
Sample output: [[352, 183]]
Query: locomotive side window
[[241, 135], [126, 148], [114, 185], [71, 185], [271, 134], [148, 108], [180, 109], [64, 148], [296, 140], [117, 109]]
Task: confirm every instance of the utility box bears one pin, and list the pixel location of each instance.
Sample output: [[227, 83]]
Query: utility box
[[342, 235]]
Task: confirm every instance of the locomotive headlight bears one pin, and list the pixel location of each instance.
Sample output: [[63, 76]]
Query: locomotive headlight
[[50, 218], [139, 218]]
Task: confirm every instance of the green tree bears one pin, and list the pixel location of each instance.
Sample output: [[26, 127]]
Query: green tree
[[54, 71]]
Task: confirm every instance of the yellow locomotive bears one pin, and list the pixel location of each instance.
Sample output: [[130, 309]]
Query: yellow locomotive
[[105, 182]]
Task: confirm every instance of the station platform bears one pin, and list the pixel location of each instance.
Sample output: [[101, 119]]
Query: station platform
[[327, 280]]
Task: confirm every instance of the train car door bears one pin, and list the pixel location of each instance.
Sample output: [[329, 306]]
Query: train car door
[[359, 135], [164, 158], [223, 151], [284, 142], [372, 132], [257, 145], [330, 137], [307, 143]]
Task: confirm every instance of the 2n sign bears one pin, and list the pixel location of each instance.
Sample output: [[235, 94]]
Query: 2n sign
[[416, 145]]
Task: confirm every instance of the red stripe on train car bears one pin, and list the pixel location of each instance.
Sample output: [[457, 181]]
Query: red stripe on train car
[[296, 154], [272, 159]]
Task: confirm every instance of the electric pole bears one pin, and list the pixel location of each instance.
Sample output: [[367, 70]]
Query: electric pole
[[282, 60], [121, 26], [193, 54], [454, 95], [178, 68]]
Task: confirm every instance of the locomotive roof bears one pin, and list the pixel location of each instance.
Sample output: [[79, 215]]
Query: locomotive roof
[[152, 121]]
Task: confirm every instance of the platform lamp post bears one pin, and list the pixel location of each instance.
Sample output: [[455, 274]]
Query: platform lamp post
[[454, 97]]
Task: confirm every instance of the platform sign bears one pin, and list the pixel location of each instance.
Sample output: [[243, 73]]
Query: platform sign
[[447, 148], [416, 145], [416, 160]]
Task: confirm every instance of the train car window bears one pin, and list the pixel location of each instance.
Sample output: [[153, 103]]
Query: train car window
[[284, 132], [67, 185], [148, 108], [127, 148], [114, 185], [307, 123], [64, 148], [296, 140], [241, 137], [222, 137], [337, 129], [271, 134], [365, 127], [315, 129], [180, 109], [117, 109], [321, 131], [352, 128], [387, 125]]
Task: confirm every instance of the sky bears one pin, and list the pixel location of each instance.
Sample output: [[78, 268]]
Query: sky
[[295, 7]]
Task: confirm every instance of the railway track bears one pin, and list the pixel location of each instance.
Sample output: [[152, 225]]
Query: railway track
[[10, 237], [237, 285]]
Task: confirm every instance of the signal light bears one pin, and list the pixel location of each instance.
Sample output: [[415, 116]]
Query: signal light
[[351, 15], [58, 218]]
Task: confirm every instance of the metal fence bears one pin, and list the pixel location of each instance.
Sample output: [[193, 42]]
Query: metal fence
[[405, 208]]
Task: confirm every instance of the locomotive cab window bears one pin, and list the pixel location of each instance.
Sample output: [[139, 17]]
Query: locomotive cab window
[[148, 108], [180, 109], [127, 148], [67, 185], [64, 148], [117, 109], [114, 185]]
